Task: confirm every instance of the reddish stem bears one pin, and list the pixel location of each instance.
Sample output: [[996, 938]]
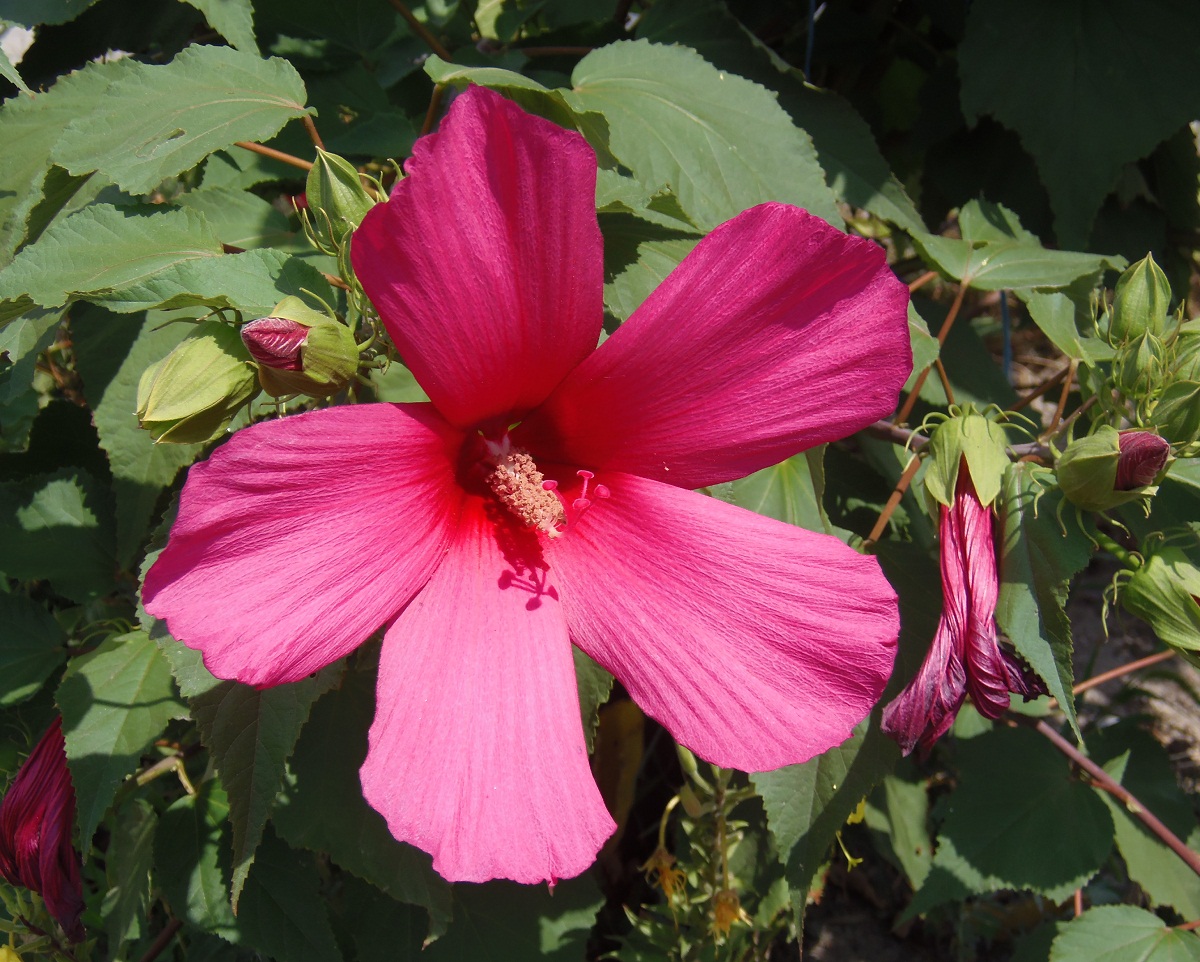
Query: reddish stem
[[421, 30], [911, 400], [1133, 666], [275, 154], [312, 131]]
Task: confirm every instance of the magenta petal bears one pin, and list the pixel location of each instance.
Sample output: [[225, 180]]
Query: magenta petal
[[925, 710], [776, 333], [477, 752], [300, 537], [757, 644], [486, 264]]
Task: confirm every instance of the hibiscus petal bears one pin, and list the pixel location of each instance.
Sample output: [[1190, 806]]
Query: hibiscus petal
[[776, 333], [925, 710], [486, 264], [300, 537], [477, 752], [757, 644]]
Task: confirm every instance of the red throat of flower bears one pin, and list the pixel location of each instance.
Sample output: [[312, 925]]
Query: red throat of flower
[[515, 480]]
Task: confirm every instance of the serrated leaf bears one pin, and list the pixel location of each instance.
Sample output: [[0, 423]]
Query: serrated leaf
[[115, 701], [383, 930], [854, 167], [191, 861], [127, 863], [140, 468], [283, 913], [595, 685], [807, 804], [324, 778], [786, 491], [206, 99], [104, 248], [232, 19], [32, 13], [58, 527], [902, 818], [1038, 558], [32, 645], [28, 333], [1057, 73], [32, 126], [638, 255], [1055, 314], [506, 922], [1123, 933], [239, 218], [721, 142], [9, 73], [1015, 797], [251, 734], [1010, 265]]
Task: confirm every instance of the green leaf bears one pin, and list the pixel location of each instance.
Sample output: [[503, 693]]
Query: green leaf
[[856, 170], [239, 218], [1136, 760], [127, 864], [283, 912], [595, 685], [1013, 265], [207, 98], [786, 492], [103, 248], [28, 333], [1038, 558], [115, 701], [1056, 314], [32, 126], [191, 861], [899, 810], [382, 929], [232, 19], [324, 779], [506, 922], [32, 645], [807, 804], [721, 142], [1016, 798], [1123, 933], [9, 73], [140, 468], [1058, 73], [58, 527], [31, 13], [638, 255], [251, 734]]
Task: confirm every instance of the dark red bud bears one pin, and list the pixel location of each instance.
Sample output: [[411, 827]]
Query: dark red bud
[[1143, 456], [37, 817], [275, 342]]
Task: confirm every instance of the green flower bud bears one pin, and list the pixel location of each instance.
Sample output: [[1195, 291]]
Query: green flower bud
[[1163, 592], [1141, 302], [984, 445], [1140, 367], [190, 396], [301, 351], [1111, 468], [1176, 414], [336, 196]]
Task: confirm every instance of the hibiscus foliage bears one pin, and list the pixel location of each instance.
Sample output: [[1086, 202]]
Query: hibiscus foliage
[[644, 481]]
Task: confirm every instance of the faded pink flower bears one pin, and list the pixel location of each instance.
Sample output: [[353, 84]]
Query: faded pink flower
[[1142, 458], [965, 657], [37, 817], [542, 498]]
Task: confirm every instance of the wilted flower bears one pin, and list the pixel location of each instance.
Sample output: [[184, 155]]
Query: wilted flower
[[478, 527], [966, 656], [727, 909], [37, 816], [661, 873]]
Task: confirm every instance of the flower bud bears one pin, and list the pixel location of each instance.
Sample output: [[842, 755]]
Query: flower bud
[[1140, 366], [1143, 457], [1176, 412], [1141, 302], [1110, 468], [301, 351], [1163, 592], [191, 395], [336, 196], [9, 954]]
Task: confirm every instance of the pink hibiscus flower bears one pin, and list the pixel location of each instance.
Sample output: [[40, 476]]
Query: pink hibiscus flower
[[542, 498], [37, 817], [966, 656]]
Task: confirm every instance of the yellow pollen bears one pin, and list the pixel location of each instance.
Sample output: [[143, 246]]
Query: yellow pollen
[[517, 482]]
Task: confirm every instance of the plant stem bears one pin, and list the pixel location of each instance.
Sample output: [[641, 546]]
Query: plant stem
[[420, 30], [162, 941], [897, 493], [312, 131], [1041, 389], [275, 154], [922, 281], [1156, 659], [911, 400], [1102, 780], [555, 51], [435, 105]]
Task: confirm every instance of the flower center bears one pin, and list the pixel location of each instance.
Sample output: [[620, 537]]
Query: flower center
[[518, 484]]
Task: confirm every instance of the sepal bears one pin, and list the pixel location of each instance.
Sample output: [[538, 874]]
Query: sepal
[[984, 445], [301, 351]]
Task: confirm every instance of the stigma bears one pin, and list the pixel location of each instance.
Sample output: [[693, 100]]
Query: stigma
[[517, 483]]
